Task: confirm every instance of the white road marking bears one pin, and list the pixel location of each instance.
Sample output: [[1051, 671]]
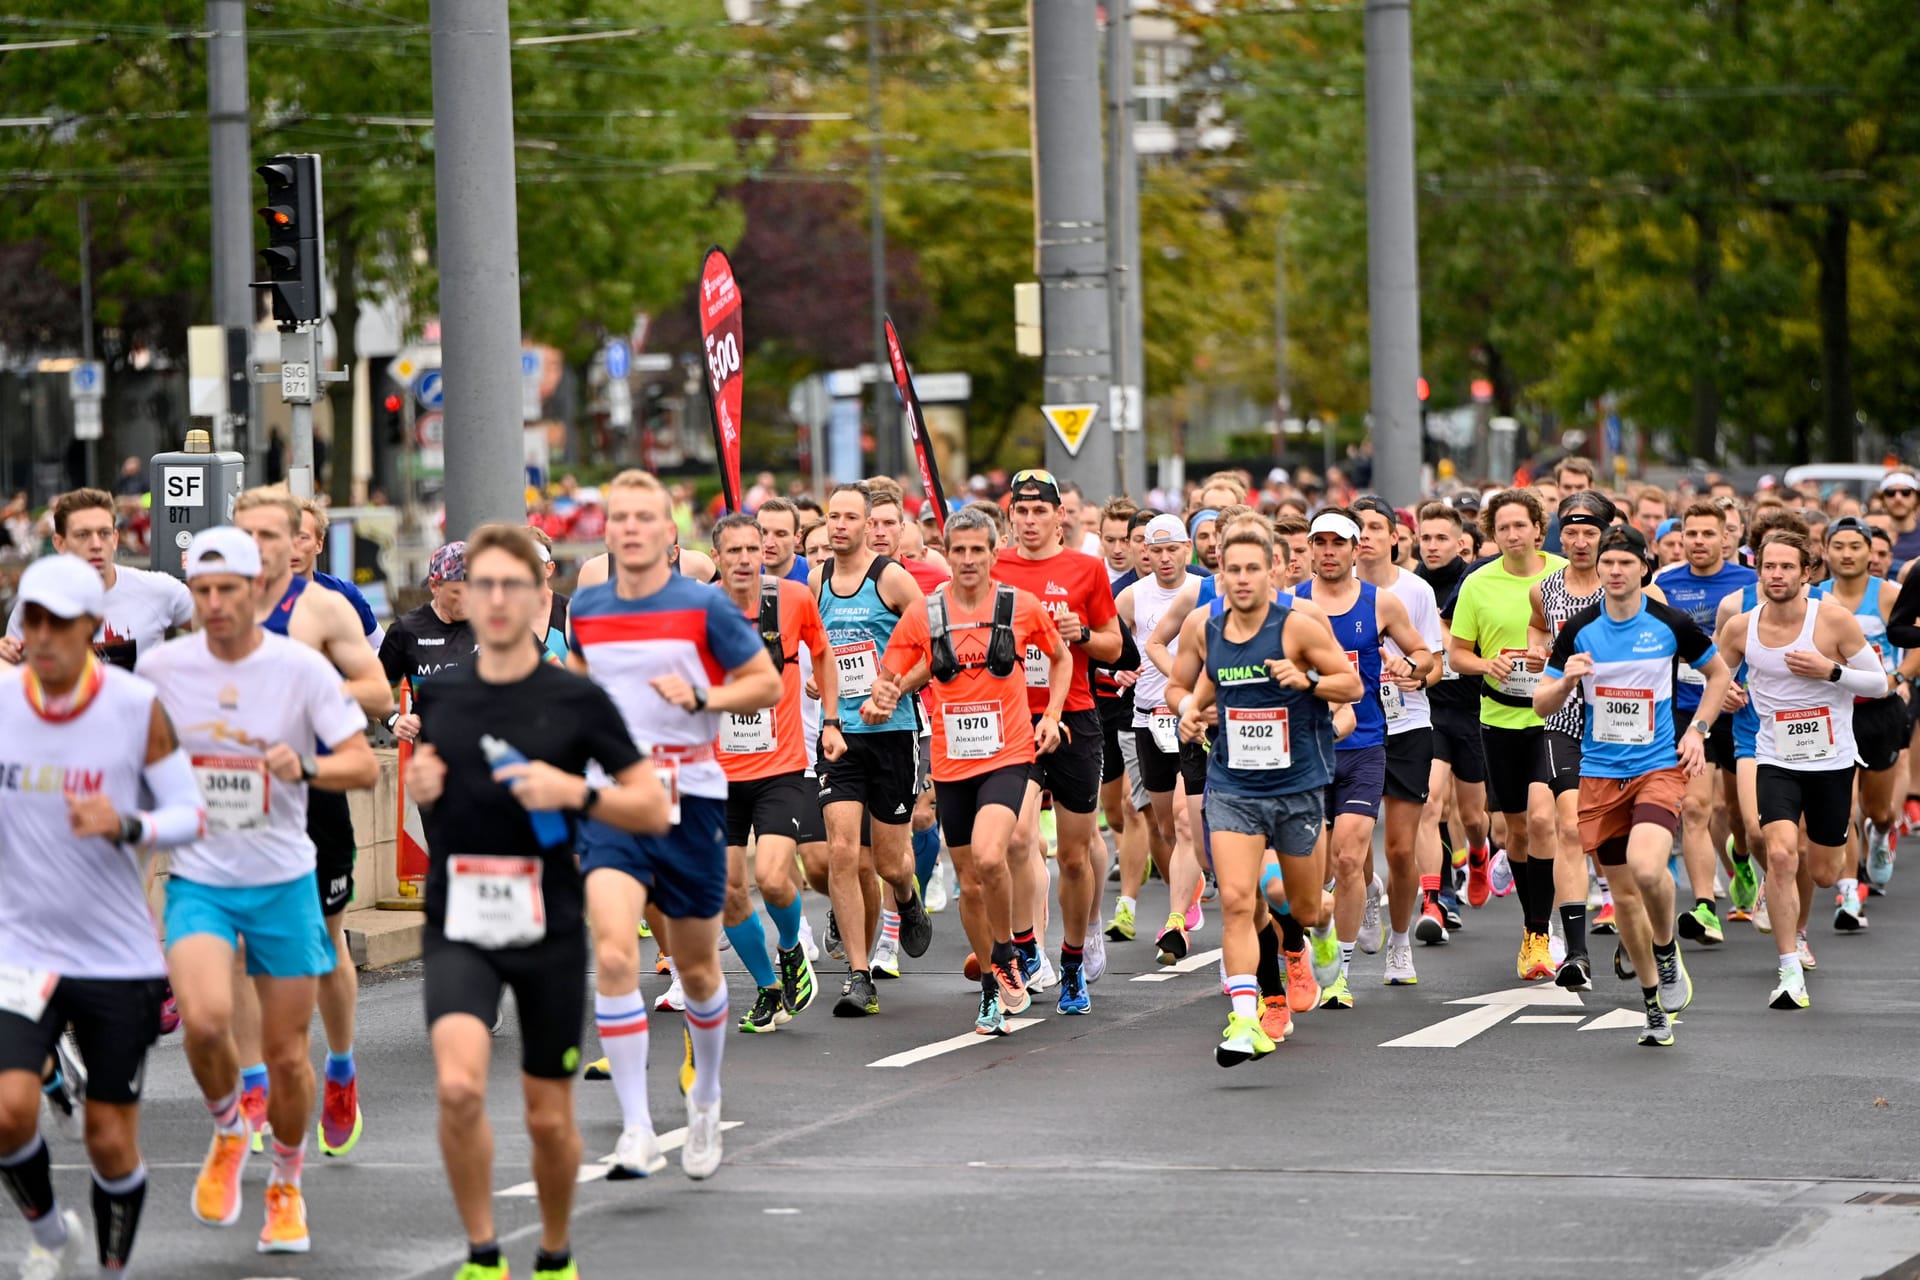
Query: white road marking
[[1495, 1007], [949, 1045], [1618, 1020], [670, 1141], [1551, 1019], [1197, 960]]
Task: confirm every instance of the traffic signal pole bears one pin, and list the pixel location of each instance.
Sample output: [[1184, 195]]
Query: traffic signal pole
[[1393, 254], [232, 230]]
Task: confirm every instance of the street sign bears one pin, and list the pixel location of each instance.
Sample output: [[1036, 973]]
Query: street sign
[[619, 359], [1070, 422], [86, 419], [619, 404], [296, 382], [429, 433], [87, 380], [530, 386], [430, 389]]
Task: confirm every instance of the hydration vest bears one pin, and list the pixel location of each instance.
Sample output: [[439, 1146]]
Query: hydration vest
[[945, 663], [770, 623]]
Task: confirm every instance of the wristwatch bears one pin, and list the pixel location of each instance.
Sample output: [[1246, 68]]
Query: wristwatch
[[1313, 678], [1833, 677], [699, 698], [830, 722], [309, 768], [590, 799], [1702, 727]]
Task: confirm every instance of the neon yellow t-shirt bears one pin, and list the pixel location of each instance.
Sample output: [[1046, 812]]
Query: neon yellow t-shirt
[[1491, 613]]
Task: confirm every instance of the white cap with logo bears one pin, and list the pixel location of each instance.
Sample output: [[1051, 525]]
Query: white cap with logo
[[65, 586], [222, 550], [1164, 529]]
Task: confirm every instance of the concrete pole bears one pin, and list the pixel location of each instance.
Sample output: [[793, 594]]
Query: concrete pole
[[1393, 256], [1069, 184], [92, 473], [1283, 376], [889, 438], [479, 263], [232, 195], [1124, 308]]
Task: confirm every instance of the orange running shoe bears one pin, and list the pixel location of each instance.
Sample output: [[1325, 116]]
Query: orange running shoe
[[972, 967], [216, 1192], [1479, 883], [1536, 958], [1275, 1018], [286, 1229], [1303, 993]]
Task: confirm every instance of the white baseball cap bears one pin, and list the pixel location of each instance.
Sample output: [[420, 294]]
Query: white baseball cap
[[65, 586], [1164, 529], [222, 550], [1336, 524]]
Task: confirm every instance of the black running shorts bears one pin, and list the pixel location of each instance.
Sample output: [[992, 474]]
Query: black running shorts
[[549, 981]]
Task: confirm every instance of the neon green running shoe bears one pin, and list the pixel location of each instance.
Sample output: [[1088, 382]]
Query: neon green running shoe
[[1337, 996], [569, 1272], [1326, 957], [1700, 924], [1744, 889], [1243, 1041], [474, 1271], [1121, 927]]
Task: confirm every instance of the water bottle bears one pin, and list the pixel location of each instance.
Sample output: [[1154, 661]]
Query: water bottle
[[549, 825]]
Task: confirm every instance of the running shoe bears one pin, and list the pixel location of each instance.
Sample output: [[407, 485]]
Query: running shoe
[[916, 927], [685, 1078], [340, 1119], [858, 998], [1173, 940], [1399, 971], [700, 1154], [769, 1012], [1500, 874], [1457, 858], [1761, 920], [971, 968], [1095, 951], [1479, 879], [1276, 1019], [674, 998], [285, 1230], [1575, 973], [1556, 941], [1013, 988], [1849, 916], [797, 985], [1603, 919], [216, 1192], [1338, 995], [1303, 988], [1242, 1041], [1622, 965], [643, 929], [726, 943], [1209, 888], [991, 1021], [1744, 889], [1791, 993], [1700, 924], [836, 947], [1879, 855], [636, 1155], [1196, 918], [1736, 915], [50, 1264], [1911, 814], [1073, 991], [569, 1272], [807, 944], [1676, 985], [599, 1069], [1450, 911], [661, 965], [253, 1105], [1659, 1029], [886, 960], [1372, 929], [1536, 961], [1431, 927], [1039, 972], [936, 891], [1594, 895], [169, 1013], [1804, 951], [1121, 927], [1326, 956]]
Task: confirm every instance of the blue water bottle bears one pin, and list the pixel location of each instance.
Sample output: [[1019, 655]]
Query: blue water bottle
[[549, 825]]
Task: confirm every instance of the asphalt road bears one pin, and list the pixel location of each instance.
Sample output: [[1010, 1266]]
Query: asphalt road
[[1113, 1144]]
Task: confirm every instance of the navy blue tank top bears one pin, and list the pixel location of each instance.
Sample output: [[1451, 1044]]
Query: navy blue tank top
[[1273, 741], [1358, 632]]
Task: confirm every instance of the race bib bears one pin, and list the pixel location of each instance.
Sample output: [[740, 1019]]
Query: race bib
[[26, 991], [1257, 738], [857, 663], [1623, 716], [1164, 725], [973, 730], [1392, 701], [1038, 667], [747, 735], [495, 902], [1520, 682], [1804, 736], [237, 790]]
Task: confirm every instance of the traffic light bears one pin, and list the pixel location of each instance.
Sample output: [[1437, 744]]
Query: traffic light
[[392, 424], [292, 260]]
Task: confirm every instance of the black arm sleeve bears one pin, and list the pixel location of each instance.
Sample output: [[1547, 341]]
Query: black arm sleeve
[[1903, 628]]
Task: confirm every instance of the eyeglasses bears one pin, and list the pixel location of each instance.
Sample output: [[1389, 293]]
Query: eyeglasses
[[1897, 493], [512, 588], [1034, 474]]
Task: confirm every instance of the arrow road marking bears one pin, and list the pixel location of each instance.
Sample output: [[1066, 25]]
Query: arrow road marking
[[1198, 960], [1618, 1020], [949, 1045], [1495, 1008], [1551, 1019], [671, 1141]]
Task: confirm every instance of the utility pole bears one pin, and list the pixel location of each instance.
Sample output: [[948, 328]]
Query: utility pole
[[1282, 375], [479, 262], [1393, 254], [889, 448], [86, 322], [1124, 310], [1071, 239], [233, 307]]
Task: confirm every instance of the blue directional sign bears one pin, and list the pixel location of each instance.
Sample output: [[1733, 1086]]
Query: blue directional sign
[[619, 359], [1613, 433], [429, 389], [529, 364], [86, 380]]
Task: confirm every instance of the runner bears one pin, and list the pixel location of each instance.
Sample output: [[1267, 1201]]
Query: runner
[[80, 742], [1362, 618], [1113, 698], [1489, 642], [1880, 724], [1268, 767], [1459, 758], [435, 637], [499, 776], [779, 522], [1696, 589], [309, 542], [1622, 655], [765, 759], [861, 596], [1806, 661], [1072, 586], [962, 645], [250, 707], [673, 655]]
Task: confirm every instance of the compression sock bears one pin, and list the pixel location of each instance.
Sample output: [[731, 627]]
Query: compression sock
[[786, 923], [890, 928], [116, 1216], [622, 1022], [1573, 923], [707, 1023], [926, 855], [254, 1077], [1650, 996], [1268, 970], [749, 939], [1292, 936], [28, 1174]]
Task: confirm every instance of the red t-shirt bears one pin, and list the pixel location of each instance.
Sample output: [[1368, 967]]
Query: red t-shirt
[[929, 576], [773, 742], [1064, 581]]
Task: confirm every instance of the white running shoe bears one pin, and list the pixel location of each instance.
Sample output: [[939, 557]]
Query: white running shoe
[[1594, 895], [1500, 873], [1042, 977], [1791, 993], [807, 943], [1761, 920], [700, 1157], [51, 1264], [726, 943], [1804, 951], [1371, 928], [886, 960], [937, 890], [1556, 940], [636, 1155], [673, 998], [1094, 954], [1849, 916], [1400, 972]]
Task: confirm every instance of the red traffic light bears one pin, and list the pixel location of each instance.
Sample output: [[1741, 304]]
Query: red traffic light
[[392, 403], [1422, 389]]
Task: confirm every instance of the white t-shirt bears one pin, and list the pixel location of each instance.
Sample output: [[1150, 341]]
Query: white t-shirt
[[1424, 612], [73, 906], [227, 714], [142, 607]]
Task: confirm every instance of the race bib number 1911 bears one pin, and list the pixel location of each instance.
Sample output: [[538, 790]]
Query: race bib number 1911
[[857, 665]]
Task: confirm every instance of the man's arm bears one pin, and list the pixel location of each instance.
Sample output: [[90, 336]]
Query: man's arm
[[752, 686], [1317, 649], [336, 626], [898, 589], [1394, 622], [1167, 630], [1537, 632]]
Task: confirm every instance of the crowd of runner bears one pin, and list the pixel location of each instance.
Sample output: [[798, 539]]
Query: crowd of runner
[[1644, 717]]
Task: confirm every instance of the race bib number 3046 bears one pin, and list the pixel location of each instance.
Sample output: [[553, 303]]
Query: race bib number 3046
[[237, 791]]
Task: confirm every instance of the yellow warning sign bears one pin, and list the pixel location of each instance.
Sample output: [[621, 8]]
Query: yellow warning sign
[[1071, 422]]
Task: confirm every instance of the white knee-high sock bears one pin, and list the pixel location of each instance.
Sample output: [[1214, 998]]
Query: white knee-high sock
[[623, 1034]]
